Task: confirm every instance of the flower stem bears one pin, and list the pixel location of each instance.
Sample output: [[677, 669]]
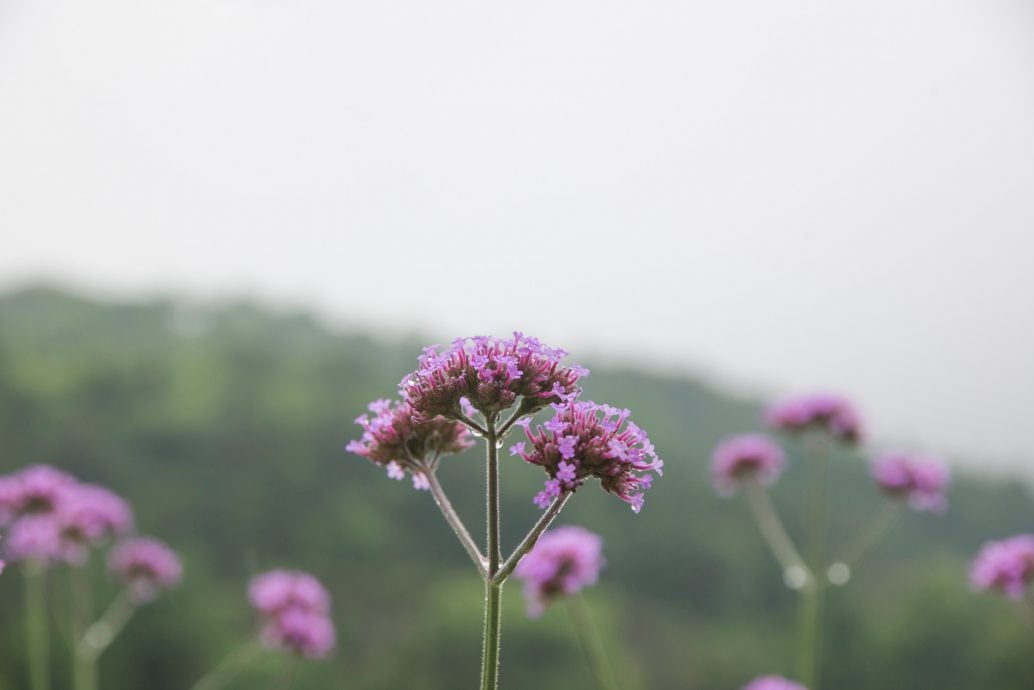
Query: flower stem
[[84, 667], [228, 668], [772, 529], [591, 642], [453, 518], [811, 602], [36, 635], [99, 636], [493, 591], [872, 534], [531, 538]]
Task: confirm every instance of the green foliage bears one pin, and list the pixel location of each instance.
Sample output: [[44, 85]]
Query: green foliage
[[225, 426]]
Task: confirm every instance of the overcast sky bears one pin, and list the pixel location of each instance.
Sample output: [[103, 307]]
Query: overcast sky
[[782, 195]]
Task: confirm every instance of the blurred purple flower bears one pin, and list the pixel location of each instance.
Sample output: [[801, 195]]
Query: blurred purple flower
[[1006, 566], [490, 373], [830, 412], [394, 439], [35, 490], [294, 607], [146, 566], [597, 441], [35, 538], [921, 479], [773, 683], [740, 457], [562, 562]]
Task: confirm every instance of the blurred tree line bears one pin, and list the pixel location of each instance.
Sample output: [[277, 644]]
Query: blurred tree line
[[224, 425]]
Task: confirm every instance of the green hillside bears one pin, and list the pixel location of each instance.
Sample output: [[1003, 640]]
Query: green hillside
[[225, 426]]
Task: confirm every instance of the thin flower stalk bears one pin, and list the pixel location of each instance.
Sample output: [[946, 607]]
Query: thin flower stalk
[[36, 634], [872, 534], [774, 532], [229, 668], [591, 642]]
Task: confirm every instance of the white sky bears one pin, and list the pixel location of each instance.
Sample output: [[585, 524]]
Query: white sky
[[784, 195]]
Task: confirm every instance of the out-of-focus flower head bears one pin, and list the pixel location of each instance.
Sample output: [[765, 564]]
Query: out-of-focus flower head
[[306, 633], [10, 498], [86, 516], [35, 538], [1006, 566], [921, 479], [585, 440], [295, 612], [746, 456], [39, 490], [146, 566], [833, 413], [278, 590], [490, 373], [562, 562], [773, 683], [394, 439]]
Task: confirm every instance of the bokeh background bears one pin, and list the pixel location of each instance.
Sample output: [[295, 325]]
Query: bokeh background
[[227, 225]]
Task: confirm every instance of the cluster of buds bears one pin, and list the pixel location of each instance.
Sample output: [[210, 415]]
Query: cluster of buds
[[53, 517], [562, 563], [920, 479], [750, 456], [1005, 566], [830, 413], [295, 612], [394, 439], [491, 374], [584, 440], [145, 566], [486, 376]]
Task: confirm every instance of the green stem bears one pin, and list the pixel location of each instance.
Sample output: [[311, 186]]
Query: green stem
[[36, 635], [591, 642], [84, 666], [812, 600], [453, 518], [228, 668], [772, 529], [874, 532], [531, 537], [99, 636], [493, 591]]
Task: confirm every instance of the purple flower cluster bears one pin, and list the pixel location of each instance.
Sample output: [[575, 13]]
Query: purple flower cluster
[[584, 440], [145, 566], [1006, 566], [490, 373], [394, 439], [563, 561], [53, 517], [921, 479], [834, 414], [773, 683], [740, 457], [295, 611]]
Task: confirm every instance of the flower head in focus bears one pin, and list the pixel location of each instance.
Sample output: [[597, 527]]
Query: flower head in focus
[[773, 683], [832, 413], [491, 374], [562, 562], [295, 609], [588, 440], [921, 479], [1006, 566], [146, 566], [746, 456], [394, 439]]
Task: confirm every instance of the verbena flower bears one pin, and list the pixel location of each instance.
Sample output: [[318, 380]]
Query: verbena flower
[[588, 440], [562, 562], [88, 515], [491, 374], [38, 490], [35, 538], [773, 683], [1006, 566], [146, 566], [741, 457], [302, 632], [921, 479], [278, 590], [394, 439], [832, 413], [294, 607]]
